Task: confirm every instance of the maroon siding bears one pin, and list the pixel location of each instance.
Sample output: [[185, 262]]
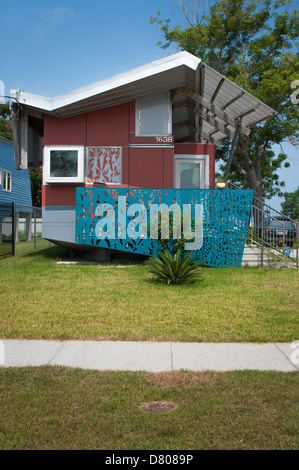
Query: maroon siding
[[115, 126], [146, 168], [69, 131], [108, 126]]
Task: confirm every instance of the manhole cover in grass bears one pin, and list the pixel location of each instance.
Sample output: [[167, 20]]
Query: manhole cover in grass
[[158, 406]]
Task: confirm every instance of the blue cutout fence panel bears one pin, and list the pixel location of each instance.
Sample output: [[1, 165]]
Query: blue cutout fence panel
[[224, 215]]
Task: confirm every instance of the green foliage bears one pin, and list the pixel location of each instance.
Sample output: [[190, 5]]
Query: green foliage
[[5, 124], [175, 268], [22, 235], [36, 186], [173, 244], [290, 206], [253, 43]]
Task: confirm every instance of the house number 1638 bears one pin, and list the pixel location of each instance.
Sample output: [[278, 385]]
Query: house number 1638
[[164, 140]]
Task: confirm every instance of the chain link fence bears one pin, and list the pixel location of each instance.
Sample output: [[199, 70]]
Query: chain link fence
[[20, 229], [6, 226]]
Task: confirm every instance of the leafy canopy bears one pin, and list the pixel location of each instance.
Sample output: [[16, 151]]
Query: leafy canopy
[[290, 206], [5, 124]]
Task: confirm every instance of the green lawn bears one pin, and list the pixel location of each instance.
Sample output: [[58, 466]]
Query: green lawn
[[60, 408], [40, 299], [5, 249]]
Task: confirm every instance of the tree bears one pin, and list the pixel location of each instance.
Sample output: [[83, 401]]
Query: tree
[[5, 124], [253, 43], [290, 206]]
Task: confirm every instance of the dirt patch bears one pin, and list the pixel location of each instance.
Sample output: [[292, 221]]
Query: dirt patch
[[158, 407], [180, 379]]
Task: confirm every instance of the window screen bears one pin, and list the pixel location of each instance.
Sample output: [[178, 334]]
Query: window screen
[[153, 115]]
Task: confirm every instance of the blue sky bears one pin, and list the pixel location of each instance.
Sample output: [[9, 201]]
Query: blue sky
[[51, 47]]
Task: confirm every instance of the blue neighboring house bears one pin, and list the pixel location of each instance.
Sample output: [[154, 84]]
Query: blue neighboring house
[[14, 184]]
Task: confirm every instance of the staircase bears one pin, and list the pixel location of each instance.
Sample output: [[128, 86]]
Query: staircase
[[252, 257], [265, 247]]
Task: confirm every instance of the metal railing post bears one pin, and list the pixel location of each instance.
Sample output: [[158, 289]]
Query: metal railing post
[[34, 215], [297, 248], [267, 243], [262, 237], [13, 228]]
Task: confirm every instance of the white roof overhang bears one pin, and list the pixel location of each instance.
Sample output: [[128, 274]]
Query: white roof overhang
[[218, 102], [161, 75]]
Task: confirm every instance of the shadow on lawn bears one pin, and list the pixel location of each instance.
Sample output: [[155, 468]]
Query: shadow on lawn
[[199, 283], [52, 252]]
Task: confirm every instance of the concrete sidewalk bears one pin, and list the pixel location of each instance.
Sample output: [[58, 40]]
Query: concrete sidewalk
[[149, 356]]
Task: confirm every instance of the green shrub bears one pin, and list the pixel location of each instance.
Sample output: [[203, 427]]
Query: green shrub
[[7, 238], [22, 235], [175, 268]]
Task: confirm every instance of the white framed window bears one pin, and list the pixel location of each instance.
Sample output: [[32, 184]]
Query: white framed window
[[153, 115], [6, 181], [191, 171], [0, 176], [64, 164]]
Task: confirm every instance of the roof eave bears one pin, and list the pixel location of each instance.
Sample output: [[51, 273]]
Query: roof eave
[[51, 105]]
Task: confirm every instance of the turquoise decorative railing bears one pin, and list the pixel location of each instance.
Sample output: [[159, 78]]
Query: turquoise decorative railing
[[126, 220]]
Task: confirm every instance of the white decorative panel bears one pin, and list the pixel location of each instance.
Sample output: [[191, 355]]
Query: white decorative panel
[[104, 165]]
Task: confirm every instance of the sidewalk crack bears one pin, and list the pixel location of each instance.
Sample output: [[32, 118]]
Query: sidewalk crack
[[58, 351], [296, 368]]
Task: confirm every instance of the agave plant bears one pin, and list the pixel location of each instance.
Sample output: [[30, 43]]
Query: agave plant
[[175, 268]]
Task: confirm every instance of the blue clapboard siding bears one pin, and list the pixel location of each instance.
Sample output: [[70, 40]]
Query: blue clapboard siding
[[20, 179]]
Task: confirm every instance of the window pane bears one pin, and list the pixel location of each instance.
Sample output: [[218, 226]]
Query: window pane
[[8, 181], [190, 175], [154, 114], [63, 163]]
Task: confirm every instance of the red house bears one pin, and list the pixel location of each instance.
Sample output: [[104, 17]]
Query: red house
[[152, 127]]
